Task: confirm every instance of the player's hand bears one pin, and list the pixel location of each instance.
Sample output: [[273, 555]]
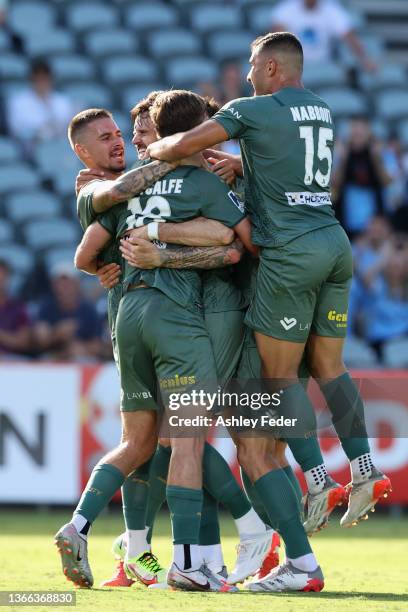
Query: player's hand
[[86, 176], [109, 275], [223, 168], [138, 232], [140, 253], [235, 161]]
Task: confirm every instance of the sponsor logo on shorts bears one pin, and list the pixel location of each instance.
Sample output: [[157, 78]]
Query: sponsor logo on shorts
[[339, 317], [288, 323], [307, 198], [176, 381], [236, 201]]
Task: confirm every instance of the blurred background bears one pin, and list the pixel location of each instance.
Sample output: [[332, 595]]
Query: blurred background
[[58, 57]]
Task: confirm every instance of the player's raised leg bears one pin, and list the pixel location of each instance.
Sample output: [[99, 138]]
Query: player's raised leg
[[137, 445]]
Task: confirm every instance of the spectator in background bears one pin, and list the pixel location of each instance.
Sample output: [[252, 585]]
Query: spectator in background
[[15, 332], [67, 327], [387, 307], [317, 23], [359, 179], [39, 113]]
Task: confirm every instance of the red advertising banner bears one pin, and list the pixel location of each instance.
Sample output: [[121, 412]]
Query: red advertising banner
[[385, 394]]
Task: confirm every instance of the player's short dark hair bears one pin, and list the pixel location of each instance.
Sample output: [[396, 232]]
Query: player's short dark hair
[[212, 105], [177, 110], [144, 105], [84, 118], [279, 41]]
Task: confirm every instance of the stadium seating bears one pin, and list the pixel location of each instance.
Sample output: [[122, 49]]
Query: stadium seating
[[131, 95], [6, 231], [89, 94], [150, 15], [55, 156], [91, 16], [389, 75], [359, 354], [344, 102], [13, 66], [176, 41], [396, 353], [47, 43], [105, 43], [31, 16], [72, 68], [19, 176], [182, 72], [392, 104], [19, 258], [125, 69], [9, 151], [227, 45], [327, 74], [43, 234], [58, 255], [210, 17], [21, 207], [260, 18]]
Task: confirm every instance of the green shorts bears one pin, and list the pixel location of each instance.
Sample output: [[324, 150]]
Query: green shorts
[[163, 348], [303, 287], [226, 331]]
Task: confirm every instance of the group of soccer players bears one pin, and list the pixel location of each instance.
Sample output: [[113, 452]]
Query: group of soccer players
[[202, 290]]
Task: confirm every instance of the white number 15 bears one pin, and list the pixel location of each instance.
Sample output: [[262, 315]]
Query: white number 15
[[323, 152]]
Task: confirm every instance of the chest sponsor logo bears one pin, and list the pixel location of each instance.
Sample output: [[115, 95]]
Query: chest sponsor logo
[[308, 198], [287, 324], [176, 381], [236, 201]]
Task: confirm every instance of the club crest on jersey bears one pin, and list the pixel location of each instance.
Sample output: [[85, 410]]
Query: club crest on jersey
[[236, 201]]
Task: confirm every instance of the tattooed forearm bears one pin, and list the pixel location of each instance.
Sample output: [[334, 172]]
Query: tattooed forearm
[[128, 185], [137, 180], [205, 258]]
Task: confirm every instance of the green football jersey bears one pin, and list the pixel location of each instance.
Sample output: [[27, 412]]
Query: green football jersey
[[183, 194], [110, 253], [287, 150]]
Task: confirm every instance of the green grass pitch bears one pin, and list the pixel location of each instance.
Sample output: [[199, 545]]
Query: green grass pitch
[[365, 568]]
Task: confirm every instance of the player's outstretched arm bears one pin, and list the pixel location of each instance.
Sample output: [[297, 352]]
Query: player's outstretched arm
[[144, 254], [108, 193], [93, 242], [185, 144], [197, 232]]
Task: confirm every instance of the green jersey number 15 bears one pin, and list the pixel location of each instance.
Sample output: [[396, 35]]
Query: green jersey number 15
[[325, 135]]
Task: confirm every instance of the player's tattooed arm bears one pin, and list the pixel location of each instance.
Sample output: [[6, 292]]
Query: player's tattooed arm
[[93, 242], [108, 193], [144, 254], [196, 232]]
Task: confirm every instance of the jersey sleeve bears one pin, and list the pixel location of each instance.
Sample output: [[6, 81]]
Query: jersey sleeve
[[109, 221], [233, 117], [85, 209], [219, 202]]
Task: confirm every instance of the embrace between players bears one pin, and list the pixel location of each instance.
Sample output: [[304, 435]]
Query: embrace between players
[[177, 318]]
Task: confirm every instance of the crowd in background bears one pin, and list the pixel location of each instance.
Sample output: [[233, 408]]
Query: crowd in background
[[59, 314]]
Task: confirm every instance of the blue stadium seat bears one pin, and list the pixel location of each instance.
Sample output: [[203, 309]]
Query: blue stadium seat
[[36, 204], [72, 68], [13, 66], [373, 46], [183, 72], [6, 231], [88, 95], [58, 255], [31, 15], [9, 151], [388, 75], [211, 16], [53, 232], [109, 42], [17, 176], [129, 69], [131, 95], [395, 353], [175, 41], [91, 16], [64, 182], [19, 258], [230, 45], [124, 122], [260, 18], [148, 15], [55, 156], [403, 133], [358, 354], [325, 74], [4, 41], [344, 102], [392, 104], [48, 42]]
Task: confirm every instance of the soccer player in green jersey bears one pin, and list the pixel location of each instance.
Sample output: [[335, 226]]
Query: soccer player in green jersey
[[286, 136]]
